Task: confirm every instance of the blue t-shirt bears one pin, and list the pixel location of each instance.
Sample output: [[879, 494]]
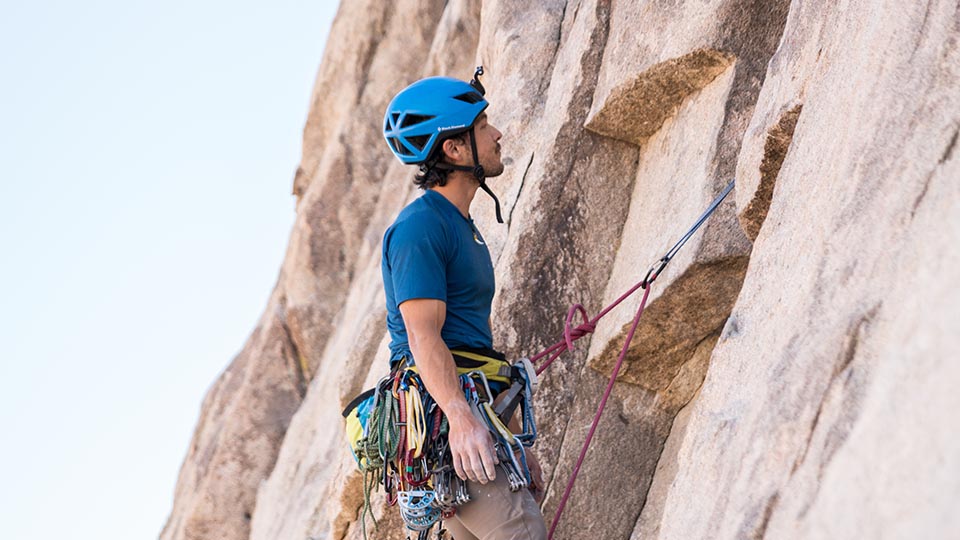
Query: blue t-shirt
[[433, 251]]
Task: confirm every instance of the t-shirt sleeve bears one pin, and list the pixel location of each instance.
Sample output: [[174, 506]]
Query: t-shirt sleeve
[[417, 255]]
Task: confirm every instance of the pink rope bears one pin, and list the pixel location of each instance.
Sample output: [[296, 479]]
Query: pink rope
[[613, 377], [587, 327]]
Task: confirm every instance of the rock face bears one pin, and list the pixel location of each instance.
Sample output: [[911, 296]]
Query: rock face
[[795, 371]]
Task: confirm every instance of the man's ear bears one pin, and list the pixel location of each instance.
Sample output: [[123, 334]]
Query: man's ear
[[452, 149]]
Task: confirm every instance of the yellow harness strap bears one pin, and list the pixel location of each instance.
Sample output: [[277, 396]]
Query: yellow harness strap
[[494, 369]]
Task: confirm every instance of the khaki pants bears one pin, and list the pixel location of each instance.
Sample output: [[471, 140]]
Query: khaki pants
[[496, 513]]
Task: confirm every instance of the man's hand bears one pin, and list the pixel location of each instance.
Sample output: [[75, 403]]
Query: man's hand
[[470, 442], [471, 447]]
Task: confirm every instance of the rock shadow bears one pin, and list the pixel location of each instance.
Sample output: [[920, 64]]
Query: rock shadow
[[774, 152]]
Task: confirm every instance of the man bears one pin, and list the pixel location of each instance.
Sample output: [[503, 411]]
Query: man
[[439, 284]]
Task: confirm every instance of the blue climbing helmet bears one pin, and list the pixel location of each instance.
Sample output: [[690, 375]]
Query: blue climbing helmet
[[428, 112]]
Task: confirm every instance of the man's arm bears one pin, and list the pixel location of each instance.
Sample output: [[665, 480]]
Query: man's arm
[[470, 443]]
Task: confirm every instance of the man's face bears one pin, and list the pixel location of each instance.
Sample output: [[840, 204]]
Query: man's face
[[488, 146]]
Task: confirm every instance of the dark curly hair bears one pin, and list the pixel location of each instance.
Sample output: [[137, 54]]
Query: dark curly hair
[[429, 175]]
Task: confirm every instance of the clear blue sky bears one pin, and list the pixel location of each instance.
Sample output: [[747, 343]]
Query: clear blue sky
[[147, 152]]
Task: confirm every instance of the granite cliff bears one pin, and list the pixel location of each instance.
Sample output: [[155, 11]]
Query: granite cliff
[[796, 370]]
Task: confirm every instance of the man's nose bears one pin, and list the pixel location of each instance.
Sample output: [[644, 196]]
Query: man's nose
[[498, 134]]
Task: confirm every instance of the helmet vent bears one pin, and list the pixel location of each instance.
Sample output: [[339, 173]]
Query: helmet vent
[[395, 117], [470, 97], [414, 119], [399, 148], [419, 142]]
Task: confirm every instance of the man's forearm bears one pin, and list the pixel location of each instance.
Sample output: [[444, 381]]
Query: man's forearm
[[471, 446], [439, 373]]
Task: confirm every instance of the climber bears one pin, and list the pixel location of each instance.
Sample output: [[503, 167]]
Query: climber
[[439, 284]]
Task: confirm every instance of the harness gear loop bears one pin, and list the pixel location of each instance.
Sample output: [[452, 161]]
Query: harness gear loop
[[508, 446]]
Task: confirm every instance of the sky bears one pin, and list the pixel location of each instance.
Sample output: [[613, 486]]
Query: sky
[[147, 153]]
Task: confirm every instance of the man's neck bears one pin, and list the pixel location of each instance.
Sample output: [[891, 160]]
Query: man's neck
[[459, 189]]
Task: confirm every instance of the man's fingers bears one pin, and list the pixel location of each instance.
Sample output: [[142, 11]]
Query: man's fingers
[[473, 453], [458, 467], [488, 460], [476, 468]]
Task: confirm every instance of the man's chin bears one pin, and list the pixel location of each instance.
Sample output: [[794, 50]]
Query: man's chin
[[494, 172]]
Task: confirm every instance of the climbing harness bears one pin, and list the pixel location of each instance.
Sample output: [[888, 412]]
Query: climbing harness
[[403, 443], [571, 334]]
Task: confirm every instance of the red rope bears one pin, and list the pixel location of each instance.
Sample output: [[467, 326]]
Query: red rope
[[570, 335]]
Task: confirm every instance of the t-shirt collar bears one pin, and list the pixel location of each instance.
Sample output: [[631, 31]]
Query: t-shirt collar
[[441, 202]]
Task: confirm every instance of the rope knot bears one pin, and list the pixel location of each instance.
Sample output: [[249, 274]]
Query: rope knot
[[571, 334], [582, 330]]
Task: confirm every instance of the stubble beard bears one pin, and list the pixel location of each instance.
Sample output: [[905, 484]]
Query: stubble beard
[[498, 170]]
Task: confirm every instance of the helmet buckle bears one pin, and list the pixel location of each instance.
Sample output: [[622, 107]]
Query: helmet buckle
[[475, 82]]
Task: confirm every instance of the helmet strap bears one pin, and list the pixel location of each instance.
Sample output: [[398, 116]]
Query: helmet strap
[[477, 171], [496, 202]]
